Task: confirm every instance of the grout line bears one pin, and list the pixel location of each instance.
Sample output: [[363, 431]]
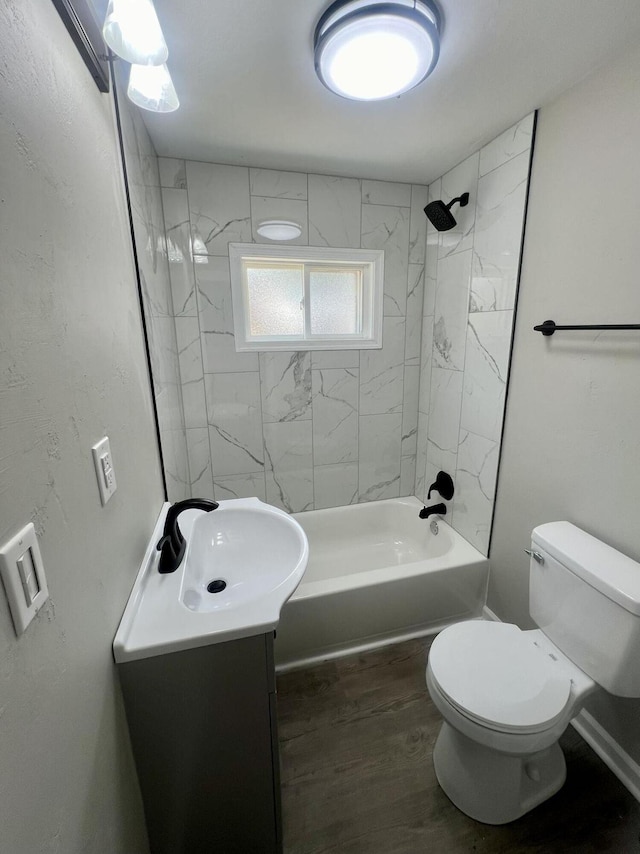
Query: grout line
[[175, 319], [431, 368], [313, 450], [360, 214], [504, 162], [299, 172], [196, 296], [492, 311], [358, 421], [262, 422], [218, 373], [279, 198], [359, 488], [387, 205]]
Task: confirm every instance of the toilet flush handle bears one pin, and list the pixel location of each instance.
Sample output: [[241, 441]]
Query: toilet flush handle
[[535, 555]]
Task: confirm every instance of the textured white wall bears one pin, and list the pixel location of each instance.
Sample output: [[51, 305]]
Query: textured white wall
[[571, 447], [72, 368]]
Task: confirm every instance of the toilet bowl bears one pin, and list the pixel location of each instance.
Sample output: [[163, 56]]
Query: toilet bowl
[[507, 695]]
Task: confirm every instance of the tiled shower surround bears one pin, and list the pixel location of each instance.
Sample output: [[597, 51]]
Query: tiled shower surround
[[300, 430], [470, 293], [310, 430]]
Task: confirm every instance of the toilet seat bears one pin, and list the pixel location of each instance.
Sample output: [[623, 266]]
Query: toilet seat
[[497, 676]]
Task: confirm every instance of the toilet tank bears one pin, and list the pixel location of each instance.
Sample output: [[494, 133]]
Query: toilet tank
[[585, 596]]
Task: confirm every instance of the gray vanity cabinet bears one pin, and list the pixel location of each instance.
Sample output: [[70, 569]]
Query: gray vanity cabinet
[[203, 730]]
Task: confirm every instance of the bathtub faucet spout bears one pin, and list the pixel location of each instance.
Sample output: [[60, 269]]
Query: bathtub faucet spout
[[434, 510]]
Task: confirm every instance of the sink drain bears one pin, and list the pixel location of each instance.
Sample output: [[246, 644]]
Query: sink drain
[[216, 586]]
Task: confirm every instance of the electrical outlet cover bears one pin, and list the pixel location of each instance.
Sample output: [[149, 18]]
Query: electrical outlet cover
[[105, 473]]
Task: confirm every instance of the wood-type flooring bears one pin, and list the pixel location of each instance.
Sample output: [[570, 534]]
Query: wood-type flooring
[[356, 737]]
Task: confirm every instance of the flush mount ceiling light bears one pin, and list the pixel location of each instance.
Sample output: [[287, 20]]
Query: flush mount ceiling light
[[132, 31], [367, 50], [279, 229]]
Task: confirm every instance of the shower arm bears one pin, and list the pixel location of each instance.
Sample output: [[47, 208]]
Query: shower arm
[[463, 199]]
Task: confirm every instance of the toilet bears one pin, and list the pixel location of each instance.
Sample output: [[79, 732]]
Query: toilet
[[507, 695]]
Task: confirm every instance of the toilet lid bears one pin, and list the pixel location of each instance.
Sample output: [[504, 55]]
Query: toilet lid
[[494, 674]]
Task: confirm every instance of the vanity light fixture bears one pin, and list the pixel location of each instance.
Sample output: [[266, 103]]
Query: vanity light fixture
[[132, 31], [369, 50], [279, 229], [151, 87]]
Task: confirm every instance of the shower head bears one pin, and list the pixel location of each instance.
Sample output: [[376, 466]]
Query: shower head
[[440, 214]]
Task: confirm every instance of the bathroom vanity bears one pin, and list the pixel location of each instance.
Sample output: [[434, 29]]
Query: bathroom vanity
[[204, 734], [195, 656]]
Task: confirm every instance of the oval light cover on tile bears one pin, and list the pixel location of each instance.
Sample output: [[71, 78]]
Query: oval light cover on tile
[[151, 87], [369, 52], [132, 31], [279, 229]]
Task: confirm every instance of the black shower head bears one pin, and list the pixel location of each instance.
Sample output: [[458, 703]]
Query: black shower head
[[440, 214]]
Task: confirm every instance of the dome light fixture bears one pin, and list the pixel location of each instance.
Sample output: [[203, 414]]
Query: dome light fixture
[[369, 50], [279, 229]]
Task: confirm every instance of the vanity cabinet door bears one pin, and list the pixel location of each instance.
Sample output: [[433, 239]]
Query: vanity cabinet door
[[202, 726]]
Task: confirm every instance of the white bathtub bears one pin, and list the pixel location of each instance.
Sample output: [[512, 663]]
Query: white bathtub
[[377, 574]]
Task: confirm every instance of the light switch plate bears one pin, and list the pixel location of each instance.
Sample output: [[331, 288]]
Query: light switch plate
[[22, 573], [104, 469]]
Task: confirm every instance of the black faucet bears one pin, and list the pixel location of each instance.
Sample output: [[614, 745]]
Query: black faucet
[[444, 485], [172, 544], [434, 510]]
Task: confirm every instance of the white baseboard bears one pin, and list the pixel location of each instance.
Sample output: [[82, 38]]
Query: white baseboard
[[488, 614], [607, 748], [613, 756]]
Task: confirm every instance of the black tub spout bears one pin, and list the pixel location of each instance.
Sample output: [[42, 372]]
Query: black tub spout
[[434, 510]]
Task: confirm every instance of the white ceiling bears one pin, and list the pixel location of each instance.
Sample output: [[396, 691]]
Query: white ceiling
[[249, 94]]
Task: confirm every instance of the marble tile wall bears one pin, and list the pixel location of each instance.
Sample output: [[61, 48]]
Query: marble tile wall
[[158, 301], [301, 430], [469, 300]]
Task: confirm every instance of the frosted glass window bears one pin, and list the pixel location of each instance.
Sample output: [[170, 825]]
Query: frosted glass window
[[306, 297], [335, 302], [276, 300]]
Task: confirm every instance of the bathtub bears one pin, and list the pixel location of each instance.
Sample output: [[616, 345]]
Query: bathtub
[[377, 574]]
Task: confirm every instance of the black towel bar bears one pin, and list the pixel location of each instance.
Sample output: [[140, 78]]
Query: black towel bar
[[550, 326]]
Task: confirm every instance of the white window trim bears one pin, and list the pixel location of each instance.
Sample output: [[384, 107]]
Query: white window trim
[[308, 255]]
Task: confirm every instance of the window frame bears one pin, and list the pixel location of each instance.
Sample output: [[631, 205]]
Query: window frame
[[371, 261]]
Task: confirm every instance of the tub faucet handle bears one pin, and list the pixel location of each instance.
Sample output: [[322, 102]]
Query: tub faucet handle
[[442, 484]]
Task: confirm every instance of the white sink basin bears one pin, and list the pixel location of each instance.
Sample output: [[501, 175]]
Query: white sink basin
[[254, 554], [255, 551]]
